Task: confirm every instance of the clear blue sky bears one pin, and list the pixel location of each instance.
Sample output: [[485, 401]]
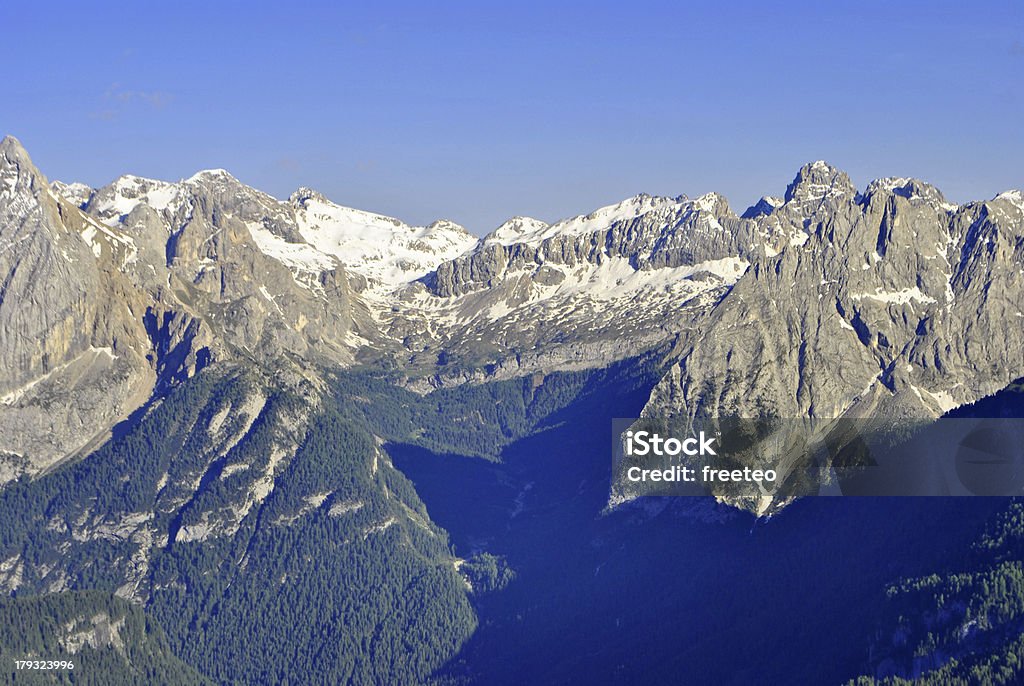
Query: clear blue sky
[[480, 111]]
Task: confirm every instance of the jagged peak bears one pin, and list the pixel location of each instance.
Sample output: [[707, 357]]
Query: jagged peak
[[523, 229], [12, 148], [631, 207], [70, 185], [890, 183], [118, 198], [646, 200], [818, 180], [818, 169], [304, 194], [763, 207], [211, 175], [75, 192], [909, 188], [713, 202], [18, 167], [1014, 196], [132, 181]]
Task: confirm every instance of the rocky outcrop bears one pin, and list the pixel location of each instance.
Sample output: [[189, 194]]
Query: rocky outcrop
[[663, 232], [72, 343], [103, 310], [892, 303]]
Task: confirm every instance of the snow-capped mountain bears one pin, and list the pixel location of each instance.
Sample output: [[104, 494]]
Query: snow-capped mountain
[[388, 252]]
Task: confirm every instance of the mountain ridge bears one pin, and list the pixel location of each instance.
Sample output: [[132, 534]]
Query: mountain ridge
[[825, 302]]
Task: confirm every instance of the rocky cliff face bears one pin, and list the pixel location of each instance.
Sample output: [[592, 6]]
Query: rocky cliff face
[[72, 340], [649, 233], [884, 296], [584, 291], [102, 310], [235, 255], [889, 303]]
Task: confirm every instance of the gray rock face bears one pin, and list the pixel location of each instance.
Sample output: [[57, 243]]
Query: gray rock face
[[896, 304], [672, 233], [583, 292], [234, 255], [261, 305], [101, 310], [72, 343]]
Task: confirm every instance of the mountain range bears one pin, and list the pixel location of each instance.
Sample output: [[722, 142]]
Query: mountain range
[[213, 400], [826, 302]]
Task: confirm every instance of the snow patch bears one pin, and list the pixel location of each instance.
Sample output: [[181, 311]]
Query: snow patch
[[386, 251], [1014, 197], [305, 262], [537, 232], [900, 297]]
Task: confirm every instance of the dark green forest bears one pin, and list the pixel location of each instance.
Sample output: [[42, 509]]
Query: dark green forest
[[107, 640], [965, 624], [361, 588]]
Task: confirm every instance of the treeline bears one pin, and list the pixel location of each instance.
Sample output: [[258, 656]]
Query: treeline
[[477, 420]]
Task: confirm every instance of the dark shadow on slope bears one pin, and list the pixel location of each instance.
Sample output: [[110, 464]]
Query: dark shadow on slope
[[668, 590]]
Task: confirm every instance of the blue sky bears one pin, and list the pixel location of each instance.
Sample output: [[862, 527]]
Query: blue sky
[[480, 111]]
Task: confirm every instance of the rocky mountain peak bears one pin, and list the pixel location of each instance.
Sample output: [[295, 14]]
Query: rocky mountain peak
[[76, 192], [514, 229], [640, 204], [11, 147], [212, 175], [72, 340], [715, 203], [909, 188], [1013, 197], [763, 207], [16, 168], [817, 181], [304, 194], [118, 198]]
